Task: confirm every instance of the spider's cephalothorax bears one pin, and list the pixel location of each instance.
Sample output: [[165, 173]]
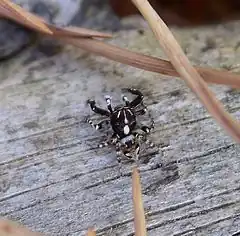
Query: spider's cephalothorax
[[123, 122]]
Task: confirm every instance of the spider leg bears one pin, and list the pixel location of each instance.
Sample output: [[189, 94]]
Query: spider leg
[[130, 157], [143, 138], [145, 128], [138, 100], [122, 153], [118, 152], [140, 112], [99, 125], [126, 154], [96, 109], [137, 151], [112, 140], [109, 103]]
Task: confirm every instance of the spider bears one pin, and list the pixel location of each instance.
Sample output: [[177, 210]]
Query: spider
[[126, 136]]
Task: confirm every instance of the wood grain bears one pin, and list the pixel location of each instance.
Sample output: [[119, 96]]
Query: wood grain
[[55, 180]]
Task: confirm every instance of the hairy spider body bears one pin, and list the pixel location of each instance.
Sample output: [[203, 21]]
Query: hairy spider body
[[123, 122]]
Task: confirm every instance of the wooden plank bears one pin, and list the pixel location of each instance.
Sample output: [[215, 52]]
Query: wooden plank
[[53, 178]]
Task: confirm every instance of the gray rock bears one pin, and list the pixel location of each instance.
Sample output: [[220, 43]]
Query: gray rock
[[95, 14], [13, 39]]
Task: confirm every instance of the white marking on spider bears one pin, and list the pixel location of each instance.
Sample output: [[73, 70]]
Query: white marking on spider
[[119, 113], [108, 99], [125, 117], [124, 98], [126, 129], [130, 112], [137, 150]]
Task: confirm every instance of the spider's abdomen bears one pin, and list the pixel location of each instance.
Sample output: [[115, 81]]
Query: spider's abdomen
[[123, 121]]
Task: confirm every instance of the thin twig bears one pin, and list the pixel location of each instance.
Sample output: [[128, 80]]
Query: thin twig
[[139, 216], [149, 63], [14, 12], [185, 69], [20, 14]]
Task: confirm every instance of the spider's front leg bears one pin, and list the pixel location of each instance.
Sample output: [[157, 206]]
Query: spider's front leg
[[138, 100], [96, 109]]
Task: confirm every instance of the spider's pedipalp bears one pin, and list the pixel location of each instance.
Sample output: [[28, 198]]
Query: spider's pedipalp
[[138, 100], [99, 125], [125, 99], [109, 103]]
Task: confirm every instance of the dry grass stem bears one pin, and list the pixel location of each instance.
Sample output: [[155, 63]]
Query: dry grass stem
[[113, 52], [72, 31], [139, 216], [91, 232], [149, 63], [69, 34], [11, 228], [23, 17], [186, 70], [13, 12]]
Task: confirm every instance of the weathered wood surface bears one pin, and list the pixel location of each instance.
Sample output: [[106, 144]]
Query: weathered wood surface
[[54, 180]]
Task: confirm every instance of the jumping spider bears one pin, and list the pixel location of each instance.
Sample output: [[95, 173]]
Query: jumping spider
[[122, 118]]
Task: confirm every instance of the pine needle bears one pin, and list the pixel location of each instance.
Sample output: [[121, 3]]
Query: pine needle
[[80, 37], [149, 63], [186, 70], [91, 232], [14, 12], [139, 216]]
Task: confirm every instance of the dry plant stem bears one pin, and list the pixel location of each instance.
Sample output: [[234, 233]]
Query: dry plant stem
[[11, 228], [32, 20], [12, 11], [149, 63], [112, 52], [91, 232], [139, 216], [185, 69], [77, 32]]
